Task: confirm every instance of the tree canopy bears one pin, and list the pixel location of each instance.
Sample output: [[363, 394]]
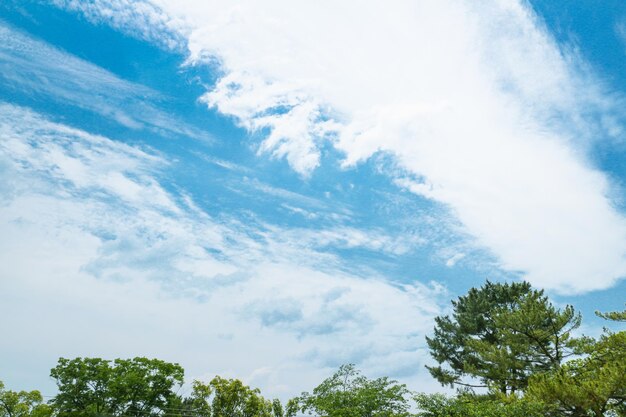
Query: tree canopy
[[465, 405], [499, 335], [22, 404], [347, 393], [92, 386], [148, 388], [593, 385], [231, 398]]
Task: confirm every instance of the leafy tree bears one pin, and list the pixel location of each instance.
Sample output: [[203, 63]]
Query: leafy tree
[[438, 405], [231, 398], [349, 394], [22, 404], [234, 399], [292, 407], [198, 403], [500, 334], [92, 386], [277, 408], [142, 386], [83, 386], [592, 386]]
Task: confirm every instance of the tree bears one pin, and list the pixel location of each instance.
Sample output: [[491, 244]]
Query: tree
[[229, 398], [591, 386], [438, 405], [22, 404], [234, 399], [93, 386], [349, 394], [198, 403], [83, 386], [499, 335], [142, 386]]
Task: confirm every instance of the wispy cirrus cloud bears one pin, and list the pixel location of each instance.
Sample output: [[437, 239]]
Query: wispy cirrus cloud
[[32, 67], [477, 103], [620, 31]]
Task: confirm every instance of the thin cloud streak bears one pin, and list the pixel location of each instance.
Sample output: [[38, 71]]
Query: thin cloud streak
[[31, 66]]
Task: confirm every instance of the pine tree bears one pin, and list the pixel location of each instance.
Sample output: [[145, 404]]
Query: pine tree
[[500, 334]]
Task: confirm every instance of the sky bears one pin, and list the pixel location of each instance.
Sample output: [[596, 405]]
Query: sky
[[268, 190]]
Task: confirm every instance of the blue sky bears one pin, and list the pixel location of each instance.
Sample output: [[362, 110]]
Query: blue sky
[[268, 191]]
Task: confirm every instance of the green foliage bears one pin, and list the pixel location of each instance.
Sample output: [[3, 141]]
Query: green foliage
[[198, 403], [22, 404], [92, 386], [292, 407], [614, 315], [228, 398], [592, 386], [438, 405], [231, 398], [499, 335], [349, 394]]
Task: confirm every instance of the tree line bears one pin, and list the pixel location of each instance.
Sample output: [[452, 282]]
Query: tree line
[[506, 348]]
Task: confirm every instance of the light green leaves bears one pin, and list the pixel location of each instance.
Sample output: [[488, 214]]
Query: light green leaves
[[347, 393], [22, 404]]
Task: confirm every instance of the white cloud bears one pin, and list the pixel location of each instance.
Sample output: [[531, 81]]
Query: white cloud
[[454, 259], [143, 20], [293, 132], [474, 99], [98, 259]]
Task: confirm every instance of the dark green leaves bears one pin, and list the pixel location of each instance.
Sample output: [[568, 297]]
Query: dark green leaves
[[499, 335]]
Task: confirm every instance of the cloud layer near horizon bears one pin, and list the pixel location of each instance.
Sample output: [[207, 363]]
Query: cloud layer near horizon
[[82, 214], [478, 105]]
